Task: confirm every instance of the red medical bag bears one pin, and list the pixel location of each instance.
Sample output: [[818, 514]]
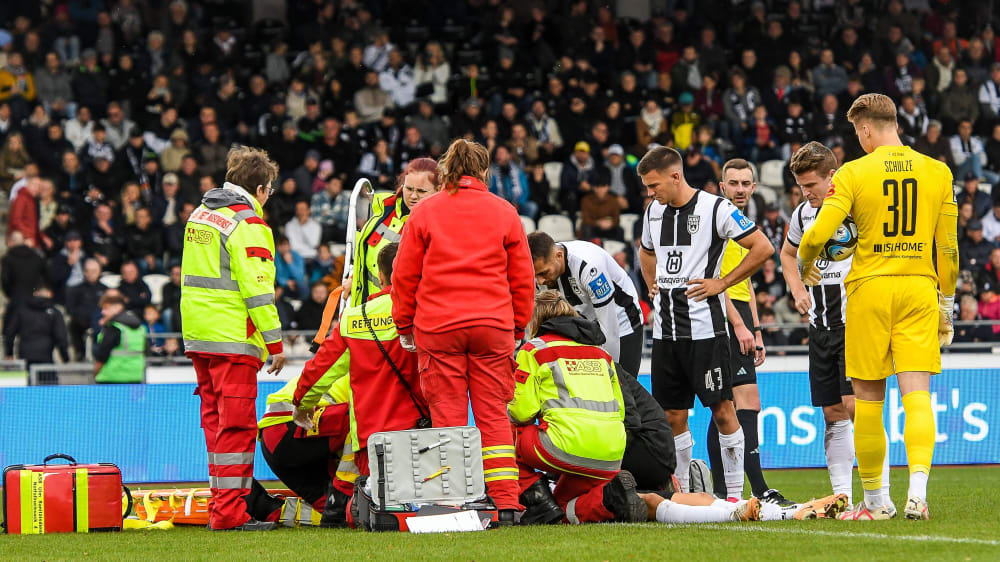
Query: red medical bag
[[62, 498]]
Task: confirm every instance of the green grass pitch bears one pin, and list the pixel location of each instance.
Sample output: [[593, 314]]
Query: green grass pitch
[[965, 525]]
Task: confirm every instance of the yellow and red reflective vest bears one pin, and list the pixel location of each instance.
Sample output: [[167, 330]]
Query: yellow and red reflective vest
[[227, 291]]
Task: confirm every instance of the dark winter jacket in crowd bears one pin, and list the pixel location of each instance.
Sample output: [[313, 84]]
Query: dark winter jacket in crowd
[[22, 271], [81, 301], [137, 293], [41, 328]]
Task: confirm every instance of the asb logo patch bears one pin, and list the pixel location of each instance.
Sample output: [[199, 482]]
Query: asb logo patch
[[600, 286], [198, 236], [584, 366], [741, 220]]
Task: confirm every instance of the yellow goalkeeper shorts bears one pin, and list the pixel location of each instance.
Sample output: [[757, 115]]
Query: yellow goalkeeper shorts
[[892, 326]]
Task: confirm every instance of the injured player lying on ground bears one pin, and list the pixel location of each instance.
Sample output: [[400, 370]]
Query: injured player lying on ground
[[701, 507]]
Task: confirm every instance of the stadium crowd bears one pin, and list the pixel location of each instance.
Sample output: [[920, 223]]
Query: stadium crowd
[[117, 115]]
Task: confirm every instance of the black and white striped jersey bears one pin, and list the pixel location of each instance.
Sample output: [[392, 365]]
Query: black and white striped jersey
[[689, 242], [599, 289], [829, 298]]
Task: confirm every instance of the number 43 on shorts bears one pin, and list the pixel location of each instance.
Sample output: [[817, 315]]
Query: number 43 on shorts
[[711, 383]]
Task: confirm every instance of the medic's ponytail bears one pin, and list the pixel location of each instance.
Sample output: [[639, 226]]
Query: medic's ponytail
[[464, 158]]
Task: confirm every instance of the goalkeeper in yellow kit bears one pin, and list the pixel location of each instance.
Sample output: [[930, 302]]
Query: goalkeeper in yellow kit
[[897, 316]]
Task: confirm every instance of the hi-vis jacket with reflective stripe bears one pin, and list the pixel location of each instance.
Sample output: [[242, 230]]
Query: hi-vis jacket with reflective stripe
[[127, 363], [227, 292], [280, 408], [572, 387], [389, 214], [379, 402]]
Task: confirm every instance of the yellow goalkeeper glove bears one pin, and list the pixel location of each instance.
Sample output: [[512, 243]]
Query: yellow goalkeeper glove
[[946, 310], [809, 273]]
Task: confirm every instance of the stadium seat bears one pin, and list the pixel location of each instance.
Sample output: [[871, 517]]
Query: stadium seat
[[337, 249], [529, 224], [772, 174], [156, 281], [627, 222], [552, 172], [768, 193], [559, 227], [111, 280], [613, 246]]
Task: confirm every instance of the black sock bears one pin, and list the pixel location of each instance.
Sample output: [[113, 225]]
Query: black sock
[[715, 461], [751, 456]]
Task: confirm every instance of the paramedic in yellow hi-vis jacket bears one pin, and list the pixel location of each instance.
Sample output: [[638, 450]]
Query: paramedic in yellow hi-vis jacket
[[230, 324], [569, 385], [306, 460]]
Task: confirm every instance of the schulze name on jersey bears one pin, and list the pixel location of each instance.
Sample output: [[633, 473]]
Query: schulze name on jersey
[[688, 242], [829, 298]]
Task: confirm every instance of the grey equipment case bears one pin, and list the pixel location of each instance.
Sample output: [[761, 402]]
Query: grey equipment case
[[441, 465]]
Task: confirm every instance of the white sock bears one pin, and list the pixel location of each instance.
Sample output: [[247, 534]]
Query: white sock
[[683, 444], [918, 485], [670, 512], [887, 499], [838, 443], [732, 462], [771, 512], [874, 498]]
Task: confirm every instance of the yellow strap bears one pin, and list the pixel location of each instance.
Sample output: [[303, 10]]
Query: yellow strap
[[151, 506], [32, 503], [189, 502], [82, 502], [140, 525], [314, 430]]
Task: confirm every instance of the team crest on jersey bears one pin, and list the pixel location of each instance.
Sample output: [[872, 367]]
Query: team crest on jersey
[[694, 221], [674, 261], [574, 285]]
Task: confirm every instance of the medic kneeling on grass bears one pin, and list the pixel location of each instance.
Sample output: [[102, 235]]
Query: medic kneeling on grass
[[384, 382]]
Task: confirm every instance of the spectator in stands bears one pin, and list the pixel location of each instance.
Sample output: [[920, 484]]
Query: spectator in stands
[[144, 243], [959, 102], [170, 300], [989, 275], [991, 223], [698, 170], [41, 329], [600, 211], [22, 270], [432, 127], [23, 213], [981, 202], [174, 234], [993, 150], [378, 165], [969, 312], [371, 101], [81, 305], [53, 87], [770, 333], [54, 236], [773, 225], [989, 306], [989, 96], [762, 136], [309, 316], [828, 77], [509, 181], [934, 144], [650, 125], [523, 148], [151, 320], [303, 233], [117, 125], [14, 158], [576, 178], [739, 102], [974, 250], [969, 154], [912, 119], [133, 288], [67, 266], [79, 129], [282, 204], [290, 269], [624, 182], [544, 129]]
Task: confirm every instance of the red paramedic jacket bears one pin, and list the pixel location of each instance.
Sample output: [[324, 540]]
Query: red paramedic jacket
[[464, 257], [379, 402]]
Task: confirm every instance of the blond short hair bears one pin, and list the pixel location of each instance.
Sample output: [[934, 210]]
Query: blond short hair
[[548, 304], [813, 156], [877, 109]]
